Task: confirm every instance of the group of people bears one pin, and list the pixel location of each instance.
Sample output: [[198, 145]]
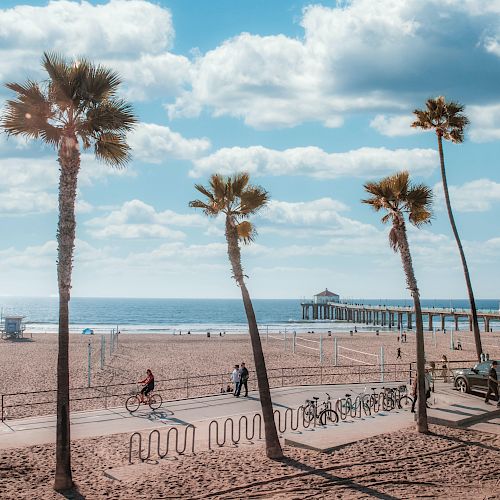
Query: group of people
[[239, 377]]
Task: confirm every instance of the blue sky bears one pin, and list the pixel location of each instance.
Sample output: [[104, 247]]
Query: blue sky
[[313, 99]]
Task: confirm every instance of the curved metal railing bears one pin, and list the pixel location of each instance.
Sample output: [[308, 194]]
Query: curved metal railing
[[159, 453], [235, 435]]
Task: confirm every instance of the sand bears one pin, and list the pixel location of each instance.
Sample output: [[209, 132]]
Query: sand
[[31, 365], [449, 463]]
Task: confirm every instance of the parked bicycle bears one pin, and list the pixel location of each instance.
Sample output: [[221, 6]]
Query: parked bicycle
[[324, 415], [153, 399]]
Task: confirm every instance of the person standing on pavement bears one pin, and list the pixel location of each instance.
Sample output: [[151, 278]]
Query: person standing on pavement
[[243, 372], [492, 383], [235, 379], [398, 352]]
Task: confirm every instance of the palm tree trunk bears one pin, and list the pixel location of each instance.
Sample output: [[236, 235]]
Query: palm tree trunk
[[69, 162], [475, 322], [404, 250], [273, 446]]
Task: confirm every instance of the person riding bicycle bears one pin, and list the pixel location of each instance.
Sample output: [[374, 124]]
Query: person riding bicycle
[[149, 382]]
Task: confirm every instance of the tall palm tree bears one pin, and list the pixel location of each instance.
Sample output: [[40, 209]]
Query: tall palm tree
[[397, 197], [77, 107], [449, 122], [237, 200]]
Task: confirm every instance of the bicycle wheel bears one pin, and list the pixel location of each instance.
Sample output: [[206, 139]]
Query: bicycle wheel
[[366, 402], [309, 413], [132, 403], [155, 401], [328, 417], [405, 402]]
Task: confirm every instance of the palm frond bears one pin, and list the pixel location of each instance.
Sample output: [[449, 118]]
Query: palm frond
[[112, 149], [238, 183], [393, 239], [108, 116], [219, 187], [246, 232], [209, 209], [252, 200]]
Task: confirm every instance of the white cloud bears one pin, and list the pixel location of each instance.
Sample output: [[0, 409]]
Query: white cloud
[[380, 56], [315, 162], [153, 143], [394, 126], [474, 196], [485, 122], [132, 36], [136, 219]]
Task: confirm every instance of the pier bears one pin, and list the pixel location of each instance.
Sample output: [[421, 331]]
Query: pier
[[391, 316]]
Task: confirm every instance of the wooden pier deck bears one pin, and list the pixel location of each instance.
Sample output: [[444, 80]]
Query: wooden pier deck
[[391, 316]]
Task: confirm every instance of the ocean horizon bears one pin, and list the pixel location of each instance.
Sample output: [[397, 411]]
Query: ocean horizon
[[170, 316]]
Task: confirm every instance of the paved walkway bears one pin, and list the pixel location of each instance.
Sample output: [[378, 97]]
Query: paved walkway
[[198, 411]]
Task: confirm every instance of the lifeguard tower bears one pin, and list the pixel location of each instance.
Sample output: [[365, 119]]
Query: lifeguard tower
[[13, 327]]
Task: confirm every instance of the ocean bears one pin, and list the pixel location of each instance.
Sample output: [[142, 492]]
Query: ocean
[[195, 315]]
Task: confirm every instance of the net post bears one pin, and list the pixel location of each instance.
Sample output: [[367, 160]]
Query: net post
[[103, 344], [89, 374], [452, 343], [335, 351], [293, 341], [321, 348], [284, 341], [382, 363]]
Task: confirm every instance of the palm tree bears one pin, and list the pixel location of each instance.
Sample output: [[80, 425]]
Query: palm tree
[[76, 107], [397, 196], [237, 200], [449, 122]]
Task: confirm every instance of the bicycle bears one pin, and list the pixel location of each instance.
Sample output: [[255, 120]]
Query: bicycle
[[133, 402], [363, 400], [326, 414]]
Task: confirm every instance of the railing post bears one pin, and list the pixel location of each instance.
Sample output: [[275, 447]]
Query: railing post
[[294, 340], [284, 341], [321, 375], [187, 387], [282, 377], [106, 396], [2, 409], [359, 374]]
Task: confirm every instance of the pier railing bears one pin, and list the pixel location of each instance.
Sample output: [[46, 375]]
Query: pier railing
[[27, 404]]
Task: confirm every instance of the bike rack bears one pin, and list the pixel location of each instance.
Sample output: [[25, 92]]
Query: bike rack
[[159, 453], [235, 438], [289, 412]]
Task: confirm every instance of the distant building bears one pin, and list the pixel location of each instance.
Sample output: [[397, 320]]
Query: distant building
[[326, 296]]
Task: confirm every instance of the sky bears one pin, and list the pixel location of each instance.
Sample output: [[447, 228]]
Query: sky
[[312, 99]]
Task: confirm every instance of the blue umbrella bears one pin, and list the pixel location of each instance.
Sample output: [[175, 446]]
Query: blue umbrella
[[88, 331]]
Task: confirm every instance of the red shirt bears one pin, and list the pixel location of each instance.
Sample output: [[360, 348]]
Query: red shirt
[[148, 380]]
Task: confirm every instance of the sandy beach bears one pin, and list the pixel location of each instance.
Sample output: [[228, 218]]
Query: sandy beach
[[31, 365], [448, 463]]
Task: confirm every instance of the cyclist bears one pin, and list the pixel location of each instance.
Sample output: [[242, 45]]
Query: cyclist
[[149, 382]]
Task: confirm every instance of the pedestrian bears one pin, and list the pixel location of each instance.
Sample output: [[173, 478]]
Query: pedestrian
[[459, 345], [235, 378], [492, 383], [243, 373], [398, 353], [428, 382], [355, 329], [444, 368]]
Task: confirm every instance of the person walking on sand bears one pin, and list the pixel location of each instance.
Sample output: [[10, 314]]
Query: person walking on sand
[[492, 383], [243, 372], [444, 368], [235, 379], [398, 352]]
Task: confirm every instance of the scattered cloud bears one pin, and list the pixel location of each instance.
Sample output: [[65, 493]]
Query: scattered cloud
[[315, 162], [475, 196], [394, 125], [154, 143], [382, 56], [136, 219], [134, 37], [485, 122]]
